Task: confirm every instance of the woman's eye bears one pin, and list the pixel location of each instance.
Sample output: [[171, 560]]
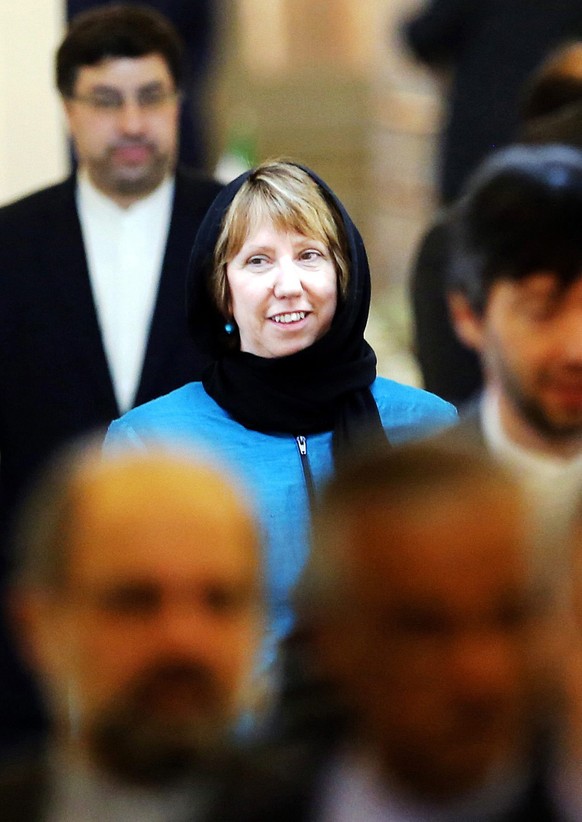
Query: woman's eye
[[311, 255], [256, 260]]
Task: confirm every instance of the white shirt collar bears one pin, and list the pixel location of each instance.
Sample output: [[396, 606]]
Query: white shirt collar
[[354, 789], [539, 470], [83, 794], [89, 196]]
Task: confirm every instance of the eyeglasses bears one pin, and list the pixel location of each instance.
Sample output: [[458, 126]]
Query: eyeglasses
[[114, 101]]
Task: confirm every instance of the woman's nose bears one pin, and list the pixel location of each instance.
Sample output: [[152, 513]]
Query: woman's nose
[[287, 280]]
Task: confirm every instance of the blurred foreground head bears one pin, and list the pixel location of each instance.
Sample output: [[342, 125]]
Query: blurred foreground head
[[429, 593], [138, 596]]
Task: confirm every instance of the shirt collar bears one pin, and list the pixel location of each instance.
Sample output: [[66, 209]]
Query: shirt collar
[[522, 458], [354, 788], [92, 198]]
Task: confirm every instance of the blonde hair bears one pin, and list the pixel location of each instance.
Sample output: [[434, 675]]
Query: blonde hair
[[285, 194]]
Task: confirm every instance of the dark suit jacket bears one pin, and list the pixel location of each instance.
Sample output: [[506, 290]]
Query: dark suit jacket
[[54, 378], [24, 791], [297, 797], [449, 368], [244, 791]]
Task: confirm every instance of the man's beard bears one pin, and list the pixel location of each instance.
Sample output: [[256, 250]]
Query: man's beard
[[550, 426], [140, 743], [553, 430], [128, 181]]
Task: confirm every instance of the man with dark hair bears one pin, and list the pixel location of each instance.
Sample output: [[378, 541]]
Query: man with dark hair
[[196, 22], [138, 601], [125, 158], [516, 298], [117, 31], [92, 308], [549, 111]]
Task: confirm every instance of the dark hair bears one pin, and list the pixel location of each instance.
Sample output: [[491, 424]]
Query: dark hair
[[521, 212], [116, 31]]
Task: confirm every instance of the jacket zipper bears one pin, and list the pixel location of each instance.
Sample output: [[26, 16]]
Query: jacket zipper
[[307, 475]]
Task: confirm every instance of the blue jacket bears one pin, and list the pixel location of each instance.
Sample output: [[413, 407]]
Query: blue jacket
[[269, 466]]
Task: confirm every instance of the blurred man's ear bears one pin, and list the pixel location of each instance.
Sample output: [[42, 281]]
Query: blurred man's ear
[[467, 324], [67, 108], [33, 618]]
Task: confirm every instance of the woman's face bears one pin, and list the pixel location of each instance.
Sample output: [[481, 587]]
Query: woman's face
[[283, 291]]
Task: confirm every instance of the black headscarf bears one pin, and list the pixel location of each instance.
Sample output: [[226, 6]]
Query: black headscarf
[[320, 388]]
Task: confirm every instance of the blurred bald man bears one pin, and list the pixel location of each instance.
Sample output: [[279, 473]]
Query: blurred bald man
[[139, 601]]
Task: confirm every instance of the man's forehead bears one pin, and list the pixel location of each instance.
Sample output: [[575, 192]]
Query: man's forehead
[[122, 72], [173, 552], [474, 589], [158, 512], [443, 535]]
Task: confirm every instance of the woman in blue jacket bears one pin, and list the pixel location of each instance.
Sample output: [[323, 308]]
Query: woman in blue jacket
[[278, 298]]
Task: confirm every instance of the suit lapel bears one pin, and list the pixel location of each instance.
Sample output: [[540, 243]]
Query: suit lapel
[[24, 791]]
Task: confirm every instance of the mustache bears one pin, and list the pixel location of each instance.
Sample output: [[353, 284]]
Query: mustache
[[132, 142], [175, 673]]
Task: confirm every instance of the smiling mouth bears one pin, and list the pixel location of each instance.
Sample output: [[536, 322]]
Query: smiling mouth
[[291, 317]]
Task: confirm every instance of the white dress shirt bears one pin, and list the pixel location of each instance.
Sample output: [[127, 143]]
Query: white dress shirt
[[82, 794], [354, 789], [554, 477], [125, 250]]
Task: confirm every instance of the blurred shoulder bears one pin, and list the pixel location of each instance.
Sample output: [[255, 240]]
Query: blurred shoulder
[[408, 412], [24, 790], [38, 203], [277, 782], [183, 401], [191, 182]]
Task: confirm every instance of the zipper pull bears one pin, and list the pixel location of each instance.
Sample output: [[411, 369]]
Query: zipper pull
[[307, 475]]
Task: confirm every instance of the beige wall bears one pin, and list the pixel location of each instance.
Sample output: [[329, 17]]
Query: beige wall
[[327, 82], [32, 150]]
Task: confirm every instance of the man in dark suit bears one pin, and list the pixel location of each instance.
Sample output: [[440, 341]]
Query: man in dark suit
[[92, 316], [550, 112], [139, 603], [516, 298]]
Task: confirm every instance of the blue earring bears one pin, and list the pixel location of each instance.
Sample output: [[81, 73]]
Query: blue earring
[[229, 327]]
